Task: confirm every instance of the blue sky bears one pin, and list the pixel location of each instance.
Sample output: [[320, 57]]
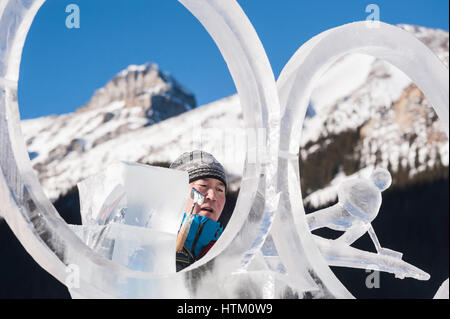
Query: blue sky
[[61, 68]]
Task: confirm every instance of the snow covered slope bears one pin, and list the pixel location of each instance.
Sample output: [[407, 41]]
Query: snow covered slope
[[144, 115], [393, 124]]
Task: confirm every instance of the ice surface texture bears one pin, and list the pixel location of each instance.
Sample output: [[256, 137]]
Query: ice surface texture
[[269, 203]]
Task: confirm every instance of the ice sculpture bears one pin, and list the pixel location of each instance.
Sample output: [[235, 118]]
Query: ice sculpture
[[359, 201], [55, 246], [131, 213], [295, 85], [442, 292], [267, 249]]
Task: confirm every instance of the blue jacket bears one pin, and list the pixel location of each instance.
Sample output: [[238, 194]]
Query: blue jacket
[[202, 233]]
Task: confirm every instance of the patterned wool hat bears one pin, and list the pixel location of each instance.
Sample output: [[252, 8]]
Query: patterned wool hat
[[200, 164]]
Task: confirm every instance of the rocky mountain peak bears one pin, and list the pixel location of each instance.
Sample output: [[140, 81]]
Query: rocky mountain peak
[[158, 94]]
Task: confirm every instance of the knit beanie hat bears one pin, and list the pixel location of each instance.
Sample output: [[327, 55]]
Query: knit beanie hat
[[200, 164]]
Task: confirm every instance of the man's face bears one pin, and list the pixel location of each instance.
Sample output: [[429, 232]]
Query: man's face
[[214, 192]]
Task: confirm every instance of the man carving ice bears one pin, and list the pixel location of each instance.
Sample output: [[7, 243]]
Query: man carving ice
[[206, 200]]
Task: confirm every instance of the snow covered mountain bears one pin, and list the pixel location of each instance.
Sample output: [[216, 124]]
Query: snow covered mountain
[[157, 93], [372, 117], [363, 113]]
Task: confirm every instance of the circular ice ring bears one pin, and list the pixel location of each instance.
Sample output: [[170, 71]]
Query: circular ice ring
[[295, 85], [32, 217]]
